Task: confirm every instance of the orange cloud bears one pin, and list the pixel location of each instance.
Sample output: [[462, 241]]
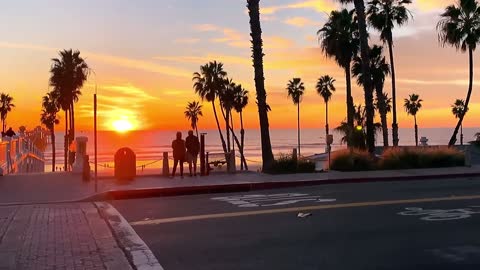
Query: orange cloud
[[300, 21], [317, 5]]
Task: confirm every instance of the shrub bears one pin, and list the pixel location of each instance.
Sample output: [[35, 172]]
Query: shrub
[[352, 160], [420, 157], [285, 164]]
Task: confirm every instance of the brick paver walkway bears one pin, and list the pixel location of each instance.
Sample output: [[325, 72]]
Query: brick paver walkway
[[59, 236]]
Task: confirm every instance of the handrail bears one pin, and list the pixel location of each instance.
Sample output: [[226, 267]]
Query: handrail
[[17, 154]]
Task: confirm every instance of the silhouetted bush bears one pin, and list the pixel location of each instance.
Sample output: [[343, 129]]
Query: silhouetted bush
[[285, 164], [352, 160], [420, 157]]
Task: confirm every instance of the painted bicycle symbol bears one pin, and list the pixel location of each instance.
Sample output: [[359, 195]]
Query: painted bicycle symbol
[[440, 214]]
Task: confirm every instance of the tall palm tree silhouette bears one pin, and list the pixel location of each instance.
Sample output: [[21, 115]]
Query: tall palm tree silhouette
[[192, 112], [368, 85], [383, 15], [379, 69], [49, 119], [412, 105], [207, 84], [257, 57], [459, 26], [295, 90], [339, 39], [325, 89], [6, 106], [67, 76], [226, 97], [458, 109], [240, 101]]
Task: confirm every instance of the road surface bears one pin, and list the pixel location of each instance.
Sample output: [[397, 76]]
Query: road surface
[[390, 225]]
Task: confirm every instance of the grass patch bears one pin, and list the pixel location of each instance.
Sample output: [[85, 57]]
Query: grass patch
[[286, 164]]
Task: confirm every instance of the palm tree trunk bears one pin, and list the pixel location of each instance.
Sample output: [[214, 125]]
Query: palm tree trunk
[[416, 130], [461, 134], [218, 126], [196, 130], [72, 122], [368, 87], [65, 144], [453, 139], [3, 125], [227, 126], [233, 127], [242, 156], [350, 107], [383, 113], [298, 127], [394, 94], [53, 147], [326, 120], [242, 138], [257, 43]]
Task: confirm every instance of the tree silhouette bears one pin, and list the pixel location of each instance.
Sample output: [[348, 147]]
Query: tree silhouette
[[6, 106], [379, 69], [458, 109], [412, 105], [383, 15], [459, 26], [295, 90], [257, 56], [325, 89], [192, 112], [339, 39], [49, 119], [67, 76], [207, 84], [239, 103]]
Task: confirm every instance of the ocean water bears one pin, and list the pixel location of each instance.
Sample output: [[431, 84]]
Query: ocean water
[[150, 145]]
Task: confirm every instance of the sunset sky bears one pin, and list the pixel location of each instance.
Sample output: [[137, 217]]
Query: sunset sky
[[145, 51]]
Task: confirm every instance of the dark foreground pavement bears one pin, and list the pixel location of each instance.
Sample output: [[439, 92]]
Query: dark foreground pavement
[[409, 225]]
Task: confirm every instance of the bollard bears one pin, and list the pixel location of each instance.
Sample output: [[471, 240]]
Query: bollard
[[165, 171], [231, 161], [86, 169], [294, 155], [207, 166]]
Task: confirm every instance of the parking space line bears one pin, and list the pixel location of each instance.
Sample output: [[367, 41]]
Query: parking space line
[[300, 209]]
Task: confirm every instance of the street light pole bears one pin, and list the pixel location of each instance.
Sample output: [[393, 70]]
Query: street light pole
[[95, 130]]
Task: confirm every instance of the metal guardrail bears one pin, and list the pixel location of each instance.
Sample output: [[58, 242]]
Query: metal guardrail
[[18, 155]]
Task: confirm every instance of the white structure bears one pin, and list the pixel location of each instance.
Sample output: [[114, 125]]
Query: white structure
[[81, 152]]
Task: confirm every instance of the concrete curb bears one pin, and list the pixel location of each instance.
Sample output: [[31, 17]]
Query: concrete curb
[[137, 252], [246, 187]]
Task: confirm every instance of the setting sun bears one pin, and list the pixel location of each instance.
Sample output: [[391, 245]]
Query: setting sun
[[122, 125]]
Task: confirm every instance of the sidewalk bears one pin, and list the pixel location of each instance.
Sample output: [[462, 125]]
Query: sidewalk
[[57, 187], [60, 236]]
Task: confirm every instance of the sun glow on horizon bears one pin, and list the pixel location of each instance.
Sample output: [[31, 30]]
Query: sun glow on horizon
[[122, 125]]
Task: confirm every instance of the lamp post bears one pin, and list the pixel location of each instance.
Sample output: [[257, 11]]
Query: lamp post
[[95, 130]]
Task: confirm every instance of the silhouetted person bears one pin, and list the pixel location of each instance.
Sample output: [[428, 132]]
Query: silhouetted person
[[10, 132], [178, 146], [193, 147]]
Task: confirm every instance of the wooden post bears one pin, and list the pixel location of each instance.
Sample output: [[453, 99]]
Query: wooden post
[[202, 155], [166, 168]]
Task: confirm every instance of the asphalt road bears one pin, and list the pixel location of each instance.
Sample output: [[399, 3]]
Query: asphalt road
[[394, 225]]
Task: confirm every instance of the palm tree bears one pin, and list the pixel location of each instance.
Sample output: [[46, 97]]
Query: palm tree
[[192, 113], [458, 109], [257, 56], [379, 69], [412, 105], [6, 106], [240, 101], [68, 74], [460, 27], [325, 88], [339, 39], [359, 135], [368, 85], [383, 15], [207, 84], [49, 119], [295, 90], [226, 97]]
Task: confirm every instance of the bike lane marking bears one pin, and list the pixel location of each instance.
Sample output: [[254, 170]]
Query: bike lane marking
[[300, 209], [441, 214], [267, 200]]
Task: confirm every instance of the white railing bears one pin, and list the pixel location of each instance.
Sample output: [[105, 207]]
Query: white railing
[[19, 155]]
